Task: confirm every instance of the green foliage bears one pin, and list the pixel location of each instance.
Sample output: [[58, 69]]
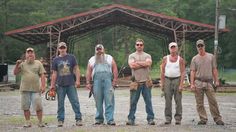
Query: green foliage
[[118, 41]]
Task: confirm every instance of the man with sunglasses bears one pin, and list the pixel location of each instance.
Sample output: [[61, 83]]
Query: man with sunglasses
[[172, 78], [140, 63], [31, 71], [203, 74], [103, 71], [65, 78]]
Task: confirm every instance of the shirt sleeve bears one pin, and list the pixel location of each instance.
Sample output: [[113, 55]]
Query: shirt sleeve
[[149, 57], [54, 64], [193, 65], [91, 61], [74, 61], [131, 59], [109, 59], [41, 68]]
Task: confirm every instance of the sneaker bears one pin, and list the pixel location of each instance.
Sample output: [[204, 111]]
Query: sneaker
[[220, 122], [202, 122], [60, 124], [27, 124], [167, 122], [111, 123], [151, 122], [79, 123], [178, 123], [130, 122], [98, 123], [41, 125]]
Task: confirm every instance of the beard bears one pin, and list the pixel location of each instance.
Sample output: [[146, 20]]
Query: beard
[[99, 58], [30, 59]]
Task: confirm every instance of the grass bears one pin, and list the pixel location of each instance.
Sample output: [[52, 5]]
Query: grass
[[19, 119], [228, 75]]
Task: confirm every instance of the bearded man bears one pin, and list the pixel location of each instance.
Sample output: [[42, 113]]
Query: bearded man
[[102, 70]]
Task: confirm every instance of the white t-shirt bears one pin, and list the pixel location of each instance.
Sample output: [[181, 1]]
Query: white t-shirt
[[108, 59]]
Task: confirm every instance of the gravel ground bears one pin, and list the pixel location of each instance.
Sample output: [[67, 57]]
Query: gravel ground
[[12, 118]]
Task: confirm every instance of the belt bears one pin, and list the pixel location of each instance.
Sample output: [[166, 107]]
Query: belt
[[140, 83], [204, 80], [172, 78]]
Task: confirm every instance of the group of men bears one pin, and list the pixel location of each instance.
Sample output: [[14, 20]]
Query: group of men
[[101, 79]]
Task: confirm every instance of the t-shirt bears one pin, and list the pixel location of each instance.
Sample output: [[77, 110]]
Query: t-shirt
[[30, 75], [108, 60], [141, 74], [203, 65], [64, 67]]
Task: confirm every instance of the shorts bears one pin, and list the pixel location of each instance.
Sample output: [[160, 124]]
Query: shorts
[[28, 98]]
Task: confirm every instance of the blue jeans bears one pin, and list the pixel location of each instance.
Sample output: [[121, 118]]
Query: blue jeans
[[103, 92], [134, 97], [71, 93]]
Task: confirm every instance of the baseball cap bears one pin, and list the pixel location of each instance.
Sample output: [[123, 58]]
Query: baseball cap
[[173, 44], [200, 41], [29, 49], [62, 44], [99, 46]]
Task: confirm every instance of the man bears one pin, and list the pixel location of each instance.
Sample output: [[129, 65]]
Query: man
[[172, 77], [203, 73], [140, 63], [31, 72], [102, 70], [65, 69]]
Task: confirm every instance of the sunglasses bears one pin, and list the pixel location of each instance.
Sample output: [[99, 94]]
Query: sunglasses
[[139, 45], [99, 49], [172, 47], [200, 45]]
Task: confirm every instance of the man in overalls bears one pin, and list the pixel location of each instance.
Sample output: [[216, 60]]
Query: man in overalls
[[103, 71]]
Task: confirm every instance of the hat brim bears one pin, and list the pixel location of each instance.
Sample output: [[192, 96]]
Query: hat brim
[[30, 50], [62, 46]]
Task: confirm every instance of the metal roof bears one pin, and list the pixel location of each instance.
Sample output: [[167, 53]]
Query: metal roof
[[172, 27]]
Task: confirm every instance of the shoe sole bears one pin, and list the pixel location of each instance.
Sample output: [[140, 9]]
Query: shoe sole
[[201, 124], [27, 126], [130, 124], [151, 124], [98, 123], [111, 124]]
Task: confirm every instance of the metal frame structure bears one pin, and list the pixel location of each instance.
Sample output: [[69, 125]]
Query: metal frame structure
[[52, 32]]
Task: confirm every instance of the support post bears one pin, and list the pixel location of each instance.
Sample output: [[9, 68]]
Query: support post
[[216, 30]]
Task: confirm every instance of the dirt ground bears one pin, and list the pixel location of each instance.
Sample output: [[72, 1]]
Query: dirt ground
[[11, 118]]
